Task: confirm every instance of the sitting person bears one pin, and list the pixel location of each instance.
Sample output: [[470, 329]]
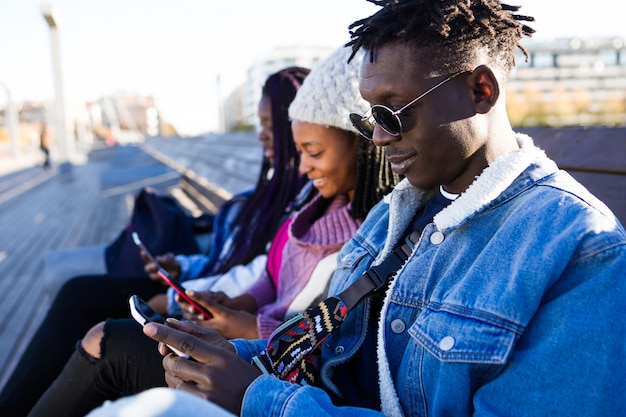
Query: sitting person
[[505, 300], [350, 175], [244, 235], [85, 301]]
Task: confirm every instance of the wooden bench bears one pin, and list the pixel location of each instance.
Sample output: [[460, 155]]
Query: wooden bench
[[231, 162], [595, 156], [213, 168]]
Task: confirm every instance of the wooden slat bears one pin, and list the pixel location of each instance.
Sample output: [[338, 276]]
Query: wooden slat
[[585, 149]]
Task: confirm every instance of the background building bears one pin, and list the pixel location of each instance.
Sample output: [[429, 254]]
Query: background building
[[116, 119], [569, 82], [232, 108], [240, 108], [566, 82]]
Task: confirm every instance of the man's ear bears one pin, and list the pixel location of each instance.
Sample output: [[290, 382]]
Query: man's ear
[[486, 88]]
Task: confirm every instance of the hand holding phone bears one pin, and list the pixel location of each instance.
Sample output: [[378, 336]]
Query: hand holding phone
[[143, 313], [139, 243], [165, 276]]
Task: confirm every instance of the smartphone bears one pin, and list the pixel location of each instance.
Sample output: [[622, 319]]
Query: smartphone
[[139, 243], [165, 276], [143, 313]]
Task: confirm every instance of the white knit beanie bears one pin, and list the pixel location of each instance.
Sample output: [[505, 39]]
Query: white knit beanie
[[331, 92]]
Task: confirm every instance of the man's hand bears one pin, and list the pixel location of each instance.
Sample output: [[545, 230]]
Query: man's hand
[[216, 373], [229, 322], [167, 262]]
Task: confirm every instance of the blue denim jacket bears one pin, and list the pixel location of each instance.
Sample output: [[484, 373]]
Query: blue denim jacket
[[512, 303]]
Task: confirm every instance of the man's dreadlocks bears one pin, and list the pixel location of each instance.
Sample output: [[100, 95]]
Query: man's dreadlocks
[[455, 29]]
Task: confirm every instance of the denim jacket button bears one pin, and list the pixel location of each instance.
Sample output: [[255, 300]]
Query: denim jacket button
[[436, 238], [446, 343], [339, 350], [397, 326]]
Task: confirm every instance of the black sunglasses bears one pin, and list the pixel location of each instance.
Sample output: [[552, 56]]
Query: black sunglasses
[[386, 118]]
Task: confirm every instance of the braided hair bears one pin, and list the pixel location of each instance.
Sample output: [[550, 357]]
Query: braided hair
[[374, 178], [277, 185], [455, 29]]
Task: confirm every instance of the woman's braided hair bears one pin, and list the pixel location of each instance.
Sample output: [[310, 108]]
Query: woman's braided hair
[[457, 29], [265, 209], [374, 178]]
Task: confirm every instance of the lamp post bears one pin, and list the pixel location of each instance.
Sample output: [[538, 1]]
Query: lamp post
[[12, 123], [62, 138]]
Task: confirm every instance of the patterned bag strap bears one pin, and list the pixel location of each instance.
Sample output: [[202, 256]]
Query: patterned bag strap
[[292, 352]]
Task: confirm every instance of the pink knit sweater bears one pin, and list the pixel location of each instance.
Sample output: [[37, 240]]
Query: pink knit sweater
[[309, 241]]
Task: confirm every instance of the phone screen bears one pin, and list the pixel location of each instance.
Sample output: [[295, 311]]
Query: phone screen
[[142, 312], [165, 276]]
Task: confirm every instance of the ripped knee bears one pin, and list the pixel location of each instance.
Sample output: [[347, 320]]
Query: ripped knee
[[92, 342]]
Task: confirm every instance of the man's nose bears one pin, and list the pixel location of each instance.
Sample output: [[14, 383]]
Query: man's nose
[[380, 137]]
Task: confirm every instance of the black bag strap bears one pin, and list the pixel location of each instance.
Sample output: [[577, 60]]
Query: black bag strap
[[376, 278]]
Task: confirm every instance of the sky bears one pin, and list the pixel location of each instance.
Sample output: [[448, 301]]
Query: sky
[[175, 50]]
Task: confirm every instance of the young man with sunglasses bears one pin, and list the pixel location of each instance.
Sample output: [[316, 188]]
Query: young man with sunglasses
[[508, 296]]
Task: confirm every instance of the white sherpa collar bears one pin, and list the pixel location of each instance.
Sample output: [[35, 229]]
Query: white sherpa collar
[[403, 204], [491, 183], [404, 201]]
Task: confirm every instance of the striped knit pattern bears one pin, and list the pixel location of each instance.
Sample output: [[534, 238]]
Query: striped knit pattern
[[291, 352]]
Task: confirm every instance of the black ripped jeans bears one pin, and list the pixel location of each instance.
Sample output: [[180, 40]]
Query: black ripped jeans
[[129, 363], [79, 305]]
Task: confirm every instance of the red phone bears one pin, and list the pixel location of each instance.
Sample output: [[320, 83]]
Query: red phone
[[165, 276]]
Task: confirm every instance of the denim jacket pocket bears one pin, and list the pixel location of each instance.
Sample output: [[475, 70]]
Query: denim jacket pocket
[[455, 338]]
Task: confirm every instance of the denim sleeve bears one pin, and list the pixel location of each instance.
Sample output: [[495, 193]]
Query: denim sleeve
[[270, 396], [247, 349], [191, 266]]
